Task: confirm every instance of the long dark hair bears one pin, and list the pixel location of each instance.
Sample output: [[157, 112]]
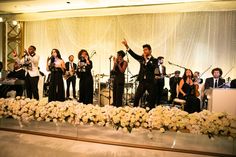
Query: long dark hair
[[58, 53], [185, 76], [80, 53]]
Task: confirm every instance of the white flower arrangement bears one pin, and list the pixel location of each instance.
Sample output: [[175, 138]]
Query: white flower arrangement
[[123, 118]]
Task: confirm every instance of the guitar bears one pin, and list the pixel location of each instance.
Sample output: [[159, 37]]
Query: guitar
[[69, 74]]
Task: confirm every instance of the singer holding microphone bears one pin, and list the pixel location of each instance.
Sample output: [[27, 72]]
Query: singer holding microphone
[[56, 66], [86, 79], [146, 74], [117, 72], [30, 63], [187, 91]]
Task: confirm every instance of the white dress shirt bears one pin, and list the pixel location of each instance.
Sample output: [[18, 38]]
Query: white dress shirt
[[160, 68]]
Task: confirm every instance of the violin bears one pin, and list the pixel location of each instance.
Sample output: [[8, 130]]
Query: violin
[[196, 92]]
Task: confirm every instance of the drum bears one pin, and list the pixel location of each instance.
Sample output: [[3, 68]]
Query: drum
[[103, 85], [104, 97]]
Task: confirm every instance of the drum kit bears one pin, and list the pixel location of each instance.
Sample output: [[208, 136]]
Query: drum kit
[[103, 91]]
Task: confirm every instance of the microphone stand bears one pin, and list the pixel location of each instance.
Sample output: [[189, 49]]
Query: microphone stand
[[177, 65], [228, 72], [127, 81]]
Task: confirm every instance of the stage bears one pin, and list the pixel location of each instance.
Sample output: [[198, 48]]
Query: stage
[[189, 34], [63, 139]]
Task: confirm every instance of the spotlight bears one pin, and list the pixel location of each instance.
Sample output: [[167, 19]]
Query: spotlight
[[14, 23], [1, 19]]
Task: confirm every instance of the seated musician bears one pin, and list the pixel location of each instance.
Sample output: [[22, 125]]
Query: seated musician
[[212, 82], [188, 90], [18, 73]]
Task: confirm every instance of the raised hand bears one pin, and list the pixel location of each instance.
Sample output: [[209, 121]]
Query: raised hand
[[125, 43]]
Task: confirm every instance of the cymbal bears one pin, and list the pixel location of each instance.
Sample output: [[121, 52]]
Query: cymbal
[[134, 76]]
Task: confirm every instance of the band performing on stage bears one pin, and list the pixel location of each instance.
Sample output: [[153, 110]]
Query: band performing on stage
[[148, 85]]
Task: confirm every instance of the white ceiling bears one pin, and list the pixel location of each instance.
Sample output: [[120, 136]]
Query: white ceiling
[[28, 10], [32, 6]]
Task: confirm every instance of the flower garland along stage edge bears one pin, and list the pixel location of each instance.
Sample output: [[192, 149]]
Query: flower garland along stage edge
[[161, 118]]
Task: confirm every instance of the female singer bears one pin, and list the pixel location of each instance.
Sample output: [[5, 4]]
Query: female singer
[[86, 80], [56, 66], [188, 89], [119, 78]]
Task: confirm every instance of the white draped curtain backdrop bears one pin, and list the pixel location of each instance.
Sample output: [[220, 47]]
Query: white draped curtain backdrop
[[195, 40]]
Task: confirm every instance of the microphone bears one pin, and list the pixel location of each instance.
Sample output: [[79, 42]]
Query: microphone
[[52, 59], [25, 54], [110, 57]]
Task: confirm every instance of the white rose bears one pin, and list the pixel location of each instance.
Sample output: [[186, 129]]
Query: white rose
[[162, 130]]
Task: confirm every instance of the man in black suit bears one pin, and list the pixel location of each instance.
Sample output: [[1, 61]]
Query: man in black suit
[[216, 81], [213, 82], [173, 83], [70, 76], [160, 73], [18, 73], [146, 74]]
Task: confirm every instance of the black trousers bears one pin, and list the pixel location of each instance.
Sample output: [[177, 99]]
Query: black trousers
[[31, 85], [86, 90], [118, 91], [159, 85], [68, 82], [142, 87]]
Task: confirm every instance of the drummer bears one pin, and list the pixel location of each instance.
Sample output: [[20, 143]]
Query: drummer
[[118, 71]]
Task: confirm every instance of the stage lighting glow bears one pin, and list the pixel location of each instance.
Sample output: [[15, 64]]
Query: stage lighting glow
[[14, 23], [1, 19]]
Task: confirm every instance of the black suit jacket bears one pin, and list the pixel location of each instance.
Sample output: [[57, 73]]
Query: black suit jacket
[[209, 82], [157, 70], [173, 82], [68, 64], [20, 74], [146, 71]]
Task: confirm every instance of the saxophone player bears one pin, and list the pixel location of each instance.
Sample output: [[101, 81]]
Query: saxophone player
[[70, 76]]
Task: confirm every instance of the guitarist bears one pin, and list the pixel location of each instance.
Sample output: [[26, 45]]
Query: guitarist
[[70, 76], [160, 73]]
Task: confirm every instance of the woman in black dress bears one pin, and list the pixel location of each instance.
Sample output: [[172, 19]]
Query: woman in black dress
[[119, 68], [86, 80], [56, 66], [187, 91]]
